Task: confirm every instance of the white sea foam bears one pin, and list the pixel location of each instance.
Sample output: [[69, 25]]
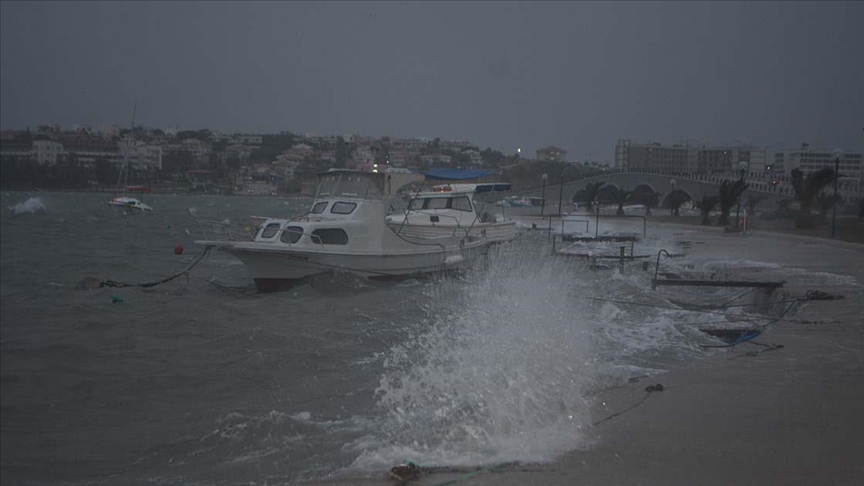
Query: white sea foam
[[500, 372], [32, 205]]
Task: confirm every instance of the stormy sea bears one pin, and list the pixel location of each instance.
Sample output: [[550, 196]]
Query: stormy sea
[[202, 380]]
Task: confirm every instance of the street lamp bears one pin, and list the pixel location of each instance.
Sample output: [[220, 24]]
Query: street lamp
[[672, 198], [543, 199], [742, 167], [561, 197], [837, 154]]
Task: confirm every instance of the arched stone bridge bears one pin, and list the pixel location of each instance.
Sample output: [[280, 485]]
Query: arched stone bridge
[[692, 186]]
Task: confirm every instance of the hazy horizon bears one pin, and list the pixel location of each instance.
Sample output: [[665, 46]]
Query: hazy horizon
[[505, 75]]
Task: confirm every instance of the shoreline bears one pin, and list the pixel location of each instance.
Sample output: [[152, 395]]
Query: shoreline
[[787, 417], [152, 194]]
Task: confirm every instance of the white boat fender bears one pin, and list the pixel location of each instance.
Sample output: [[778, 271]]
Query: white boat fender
[[453, 259]]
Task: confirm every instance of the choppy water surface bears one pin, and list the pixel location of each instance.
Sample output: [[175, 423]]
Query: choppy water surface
[[195, 383]]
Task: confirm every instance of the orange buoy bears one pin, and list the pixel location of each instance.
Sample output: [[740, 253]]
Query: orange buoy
[[178, 249]]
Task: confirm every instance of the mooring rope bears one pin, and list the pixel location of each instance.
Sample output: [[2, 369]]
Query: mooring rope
[[648, 391], [185, 271]]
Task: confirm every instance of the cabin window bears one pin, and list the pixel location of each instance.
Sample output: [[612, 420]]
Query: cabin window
[[327, 184], [416, 204], [292, 234], [462, 203], [342, 207], [330, 236], [318, 207], [437, 203], [270, 230]]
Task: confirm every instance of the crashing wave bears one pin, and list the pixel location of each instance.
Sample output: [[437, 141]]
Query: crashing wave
[[32, 205]]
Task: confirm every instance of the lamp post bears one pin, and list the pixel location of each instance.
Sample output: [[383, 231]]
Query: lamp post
[[561, 196], [742, 167], [672, 198], [543, 199], [837, 154]]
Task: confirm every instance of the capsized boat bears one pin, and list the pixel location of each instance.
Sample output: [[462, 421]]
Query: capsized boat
[[450, 209], [346, 230]]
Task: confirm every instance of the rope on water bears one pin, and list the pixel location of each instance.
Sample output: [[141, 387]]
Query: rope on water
[[240, 291], [648, 391], [185, 271], [744, 337]]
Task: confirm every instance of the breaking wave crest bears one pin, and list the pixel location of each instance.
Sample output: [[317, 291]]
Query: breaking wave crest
[[498, 372], [32, 205]]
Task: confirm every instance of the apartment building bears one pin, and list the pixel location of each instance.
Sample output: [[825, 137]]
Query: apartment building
[[551, 153], [688, 158], [810, 159]]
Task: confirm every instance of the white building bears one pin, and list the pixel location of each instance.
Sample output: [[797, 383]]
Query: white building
[[688, 158], [812, 159], [143, 156], [364, 155], [242, 139], [47, 151], [436, 159], [475, 157], [455, 145]]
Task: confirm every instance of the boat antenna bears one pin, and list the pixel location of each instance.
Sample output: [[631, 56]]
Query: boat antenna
[[124, 174]]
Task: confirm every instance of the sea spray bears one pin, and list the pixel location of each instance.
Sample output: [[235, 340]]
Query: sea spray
[[500, 372], [32, 205]]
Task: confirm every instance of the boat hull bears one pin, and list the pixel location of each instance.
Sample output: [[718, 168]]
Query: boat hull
[[275, 269]]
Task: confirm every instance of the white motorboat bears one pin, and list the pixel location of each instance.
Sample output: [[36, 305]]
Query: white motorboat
[[129, 202], [450, 210], [346, 230]]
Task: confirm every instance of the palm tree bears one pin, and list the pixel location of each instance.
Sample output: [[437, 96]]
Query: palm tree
[[676, 199], [620, 196], [592, 189], [728, 197], [650, 201], [752, 201], [706, 205], [824, 202], [806, 191]]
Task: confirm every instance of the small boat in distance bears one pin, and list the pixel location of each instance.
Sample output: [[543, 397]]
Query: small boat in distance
[[125, 201], [129, 202], [346, 230]]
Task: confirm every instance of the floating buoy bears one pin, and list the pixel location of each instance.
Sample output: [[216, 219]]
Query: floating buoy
[[178, 249]]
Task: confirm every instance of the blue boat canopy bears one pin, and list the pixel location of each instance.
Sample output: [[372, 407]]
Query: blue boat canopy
[[456, 174]]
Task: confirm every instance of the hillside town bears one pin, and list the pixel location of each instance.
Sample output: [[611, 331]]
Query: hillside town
[[210, 161], [204, 160]]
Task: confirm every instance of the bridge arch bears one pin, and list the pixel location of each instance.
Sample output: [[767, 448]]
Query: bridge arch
[[678, 195], [604, 196]]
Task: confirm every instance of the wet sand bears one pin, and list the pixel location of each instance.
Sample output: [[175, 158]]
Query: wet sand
[[787, 416]]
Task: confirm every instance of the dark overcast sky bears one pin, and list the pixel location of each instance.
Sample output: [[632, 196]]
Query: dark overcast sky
[[578, 75]]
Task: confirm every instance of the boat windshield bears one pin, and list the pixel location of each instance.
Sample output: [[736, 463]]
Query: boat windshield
[[350, 184]]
